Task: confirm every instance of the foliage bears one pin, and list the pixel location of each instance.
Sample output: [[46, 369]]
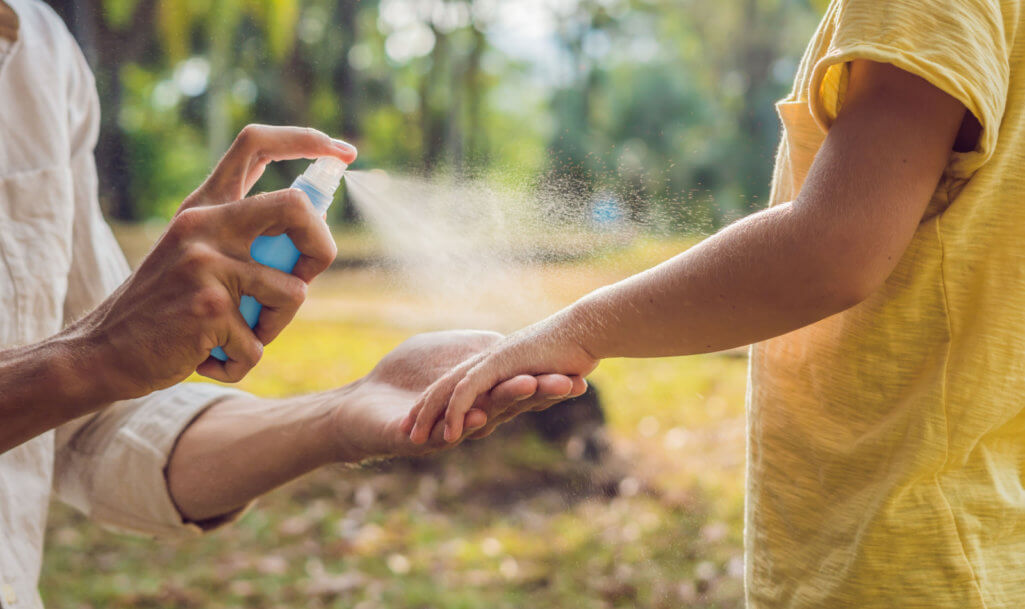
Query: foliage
[[665, 103]]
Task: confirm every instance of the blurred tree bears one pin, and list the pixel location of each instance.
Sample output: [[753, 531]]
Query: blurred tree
[[219, 22], [111, 34], [666, 104]]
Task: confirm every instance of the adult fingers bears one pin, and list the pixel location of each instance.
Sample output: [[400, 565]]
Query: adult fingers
[[554, 388], [551, 389], [579, 386], [475, 419], [551, 386], [280, 293], [258, 145], [284, 211], [513, 390], [504, 398], [242, 348]]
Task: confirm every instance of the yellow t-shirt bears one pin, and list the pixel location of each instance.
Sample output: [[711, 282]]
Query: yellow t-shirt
[[886, 444]]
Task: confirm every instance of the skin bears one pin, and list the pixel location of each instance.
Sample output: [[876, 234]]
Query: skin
[[771, 273], [158, 327], [242, 448], [8, 23]]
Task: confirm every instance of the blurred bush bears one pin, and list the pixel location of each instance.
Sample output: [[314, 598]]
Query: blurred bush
[[665, 104]]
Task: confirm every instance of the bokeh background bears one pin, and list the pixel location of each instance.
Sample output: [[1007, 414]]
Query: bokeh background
[[664, 107]]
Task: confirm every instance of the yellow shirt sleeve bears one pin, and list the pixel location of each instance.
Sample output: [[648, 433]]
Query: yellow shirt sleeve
[[960, 46]]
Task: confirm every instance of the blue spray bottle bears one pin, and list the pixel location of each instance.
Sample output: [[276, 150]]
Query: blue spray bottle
[[319, 182]]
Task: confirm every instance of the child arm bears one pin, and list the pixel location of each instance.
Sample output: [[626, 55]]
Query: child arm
[[773, 272]]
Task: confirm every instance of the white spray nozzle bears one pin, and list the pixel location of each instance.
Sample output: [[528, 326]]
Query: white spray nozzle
[[325, 174]]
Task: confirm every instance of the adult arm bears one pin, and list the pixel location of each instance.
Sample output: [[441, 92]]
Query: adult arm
[[243, 447], [771, 273], [158, 327]]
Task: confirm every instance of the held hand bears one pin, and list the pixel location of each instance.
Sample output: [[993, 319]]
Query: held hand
[[368, 424], [547, 347], [161, 324]]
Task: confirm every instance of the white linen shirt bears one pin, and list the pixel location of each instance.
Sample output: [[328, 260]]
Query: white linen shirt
[[58, 260]]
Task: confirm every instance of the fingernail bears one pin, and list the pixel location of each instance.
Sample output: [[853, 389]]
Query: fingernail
[[344, 145]]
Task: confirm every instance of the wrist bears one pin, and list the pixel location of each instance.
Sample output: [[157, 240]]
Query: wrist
[[343, 431], [45, 385], [579, 325], [79, 366], [86, 364], [314, 416]]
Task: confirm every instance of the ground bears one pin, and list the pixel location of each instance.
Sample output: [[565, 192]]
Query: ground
[[509, 522]]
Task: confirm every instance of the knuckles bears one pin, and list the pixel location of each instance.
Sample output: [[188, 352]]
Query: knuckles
[[248, 134], [332, 249], [198, 257], [252, 353], [295, 206], [296, 293], [186, 223], [210, 302], [312, 133]]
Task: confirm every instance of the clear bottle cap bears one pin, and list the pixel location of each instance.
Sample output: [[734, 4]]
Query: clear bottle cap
[[326, 174]]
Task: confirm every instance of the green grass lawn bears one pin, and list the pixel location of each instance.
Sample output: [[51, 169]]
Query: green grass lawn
[[512, 521]]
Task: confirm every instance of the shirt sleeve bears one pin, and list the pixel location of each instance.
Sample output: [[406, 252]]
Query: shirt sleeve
[[959, 46], [110, 465]]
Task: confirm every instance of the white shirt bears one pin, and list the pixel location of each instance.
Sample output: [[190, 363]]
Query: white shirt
[[58, 260]]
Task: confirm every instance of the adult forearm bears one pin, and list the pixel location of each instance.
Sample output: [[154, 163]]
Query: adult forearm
[[242, 448], [762, 277], [47, 384]]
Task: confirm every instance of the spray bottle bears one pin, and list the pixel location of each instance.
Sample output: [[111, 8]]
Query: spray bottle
[[319, 182]]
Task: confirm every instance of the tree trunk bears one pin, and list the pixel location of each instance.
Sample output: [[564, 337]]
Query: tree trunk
[[348, 87], [433, 120], [475, 139], [344, 78], [106, 50], [222, 25], [759, 47]]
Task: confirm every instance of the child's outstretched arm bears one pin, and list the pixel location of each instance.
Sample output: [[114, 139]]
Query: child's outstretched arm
[[773, 272]]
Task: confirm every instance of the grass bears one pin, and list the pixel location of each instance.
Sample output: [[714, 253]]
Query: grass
[[513, 521]]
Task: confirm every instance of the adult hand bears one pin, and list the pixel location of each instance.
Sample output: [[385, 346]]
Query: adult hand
[[546, 347], [243, 447], [161, 324], [368, 423]]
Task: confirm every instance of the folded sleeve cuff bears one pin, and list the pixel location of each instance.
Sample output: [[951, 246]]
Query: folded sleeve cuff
[[113, 466], [829, 82]]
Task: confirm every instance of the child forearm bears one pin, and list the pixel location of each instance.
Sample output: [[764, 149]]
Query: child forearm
[[759, 278], [789, 266]]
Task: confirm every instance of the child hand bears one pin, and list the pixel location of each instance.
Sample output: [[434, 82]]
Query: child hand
[[541, 349]]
